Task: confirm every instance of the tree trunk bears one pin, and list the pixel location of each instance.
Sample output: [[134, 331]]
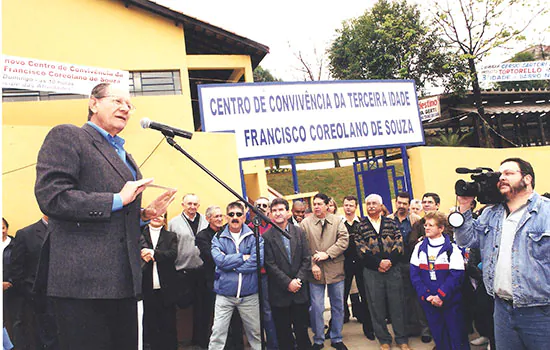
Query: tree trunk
[[478, 102], [336, 160]]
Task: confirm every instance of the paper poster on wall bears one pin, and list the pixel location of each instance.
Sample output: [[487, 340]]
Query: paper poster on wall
[[41, 75], [430, 108], [515, 71]]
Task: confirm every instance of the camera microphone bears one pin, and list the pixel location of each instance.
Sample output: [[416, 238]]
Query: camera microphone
[[468, 171]]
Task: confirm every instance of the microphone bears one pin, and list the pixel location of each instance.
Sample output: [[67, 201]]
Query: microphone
[[165, 129]]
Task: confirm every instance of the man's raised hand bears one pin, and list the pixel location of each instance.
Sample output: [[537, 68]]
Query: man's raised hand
[[159, 206]]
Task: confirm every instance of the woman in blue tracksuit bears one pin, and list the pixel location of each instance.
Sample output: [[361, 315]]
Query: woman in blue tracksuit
[[437, 272]]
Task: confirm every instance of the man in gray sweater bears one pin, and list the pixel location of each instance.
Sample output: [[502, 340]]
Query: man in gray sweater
[[191, 277]]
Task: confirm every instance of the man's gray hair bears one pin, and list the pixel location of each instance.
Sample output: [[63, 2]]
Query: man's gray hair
[[210, 210], [259, 198], [374, 196], [189, 195]]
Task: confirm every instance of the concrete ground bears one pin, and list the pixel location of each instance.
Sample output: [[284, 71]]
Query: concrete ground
[[355, 340]]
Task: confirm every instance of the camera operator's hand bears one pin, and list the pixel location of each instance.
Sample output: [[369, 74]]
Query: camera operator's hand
[[464, 203]]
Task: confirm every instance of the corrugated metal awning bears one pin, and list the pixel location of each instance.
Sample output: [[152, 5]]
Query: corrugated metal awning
[[511, 109]]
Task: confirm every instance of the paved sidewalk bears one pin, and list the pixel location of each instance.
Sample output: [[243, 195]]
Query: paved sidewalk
[[355, 340]]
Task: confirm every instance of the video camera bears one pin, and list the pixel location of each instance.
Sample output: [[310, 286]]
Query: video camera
[[483, 186]]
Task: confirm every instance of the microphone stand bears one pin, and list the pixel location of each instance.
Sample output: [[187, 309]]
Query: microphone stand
[[169, 136]]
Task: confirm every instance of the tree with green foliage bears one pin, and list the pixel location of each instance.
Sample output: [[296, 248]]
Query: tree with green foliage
[[475, 27], [390, 41], [263, 75], [527, 84]]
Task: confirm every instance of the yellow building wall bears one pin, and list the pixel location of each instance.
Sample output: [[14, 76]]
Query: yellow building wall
[[97, 33], [106, 34], [433, 168]]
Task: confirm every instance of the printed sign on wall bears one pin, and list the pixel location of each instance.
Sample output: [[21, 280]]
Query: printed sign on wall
[[40, 75], [515, 71], [429, 108]]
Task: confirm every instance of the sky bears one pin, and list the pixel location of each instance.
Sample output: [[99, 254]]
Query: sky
[[288, 27]]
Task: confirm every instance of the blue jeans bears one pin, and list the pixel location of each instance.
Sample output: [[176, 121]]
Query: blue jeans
[[269, 324], [521, 328], [336, 296], [249, 310]]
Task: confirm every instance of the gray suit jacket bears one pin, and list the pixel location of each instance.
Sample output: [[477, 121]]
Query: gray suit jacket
[[280, 271], [89, 251]]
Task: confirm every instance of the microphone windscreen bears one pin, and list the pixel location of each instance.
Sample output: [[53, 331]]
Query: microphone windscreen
[[145, 123], [463, 171]]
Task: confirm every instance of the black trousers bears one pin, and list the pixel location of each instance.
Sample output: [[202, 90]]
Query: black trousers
[[192, 289], [355, 270], [202, 311], [159, 322], [45, 325], [33, 321], [483, 315], [294, 317], [415, 317], [97, 324]]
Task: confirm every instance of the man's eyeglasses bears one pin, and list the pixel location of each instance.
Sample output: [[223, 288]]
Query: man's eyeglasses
[[119, 102], [262, 205], [232, 214], [508, 173]]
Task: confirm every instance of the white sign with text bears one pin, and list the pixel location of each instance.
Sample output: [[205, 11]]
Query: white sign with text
[[515, 71], [40, 75], [281, 119], [429, 108]]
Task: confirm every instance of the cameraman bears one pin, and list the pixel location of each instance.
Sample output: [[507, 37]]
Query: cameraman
[[514, 238]]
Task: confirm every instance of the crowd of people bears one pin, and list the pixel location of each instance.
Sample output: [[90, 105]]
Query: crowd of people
[[72, 279], [405, 268]]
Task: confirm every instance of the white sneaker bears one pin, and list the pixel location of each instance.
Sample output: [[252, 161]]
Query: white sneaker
[[480, 341]]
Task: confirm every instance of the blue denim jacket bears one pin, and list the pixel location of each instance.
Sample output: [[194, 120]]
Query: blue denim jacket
[[530, 250]]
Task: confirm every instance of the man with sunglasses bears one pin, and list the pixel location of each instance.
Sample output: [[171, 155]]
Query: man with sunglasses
[[262, 203], [514, 239], [90, 189], [236, 281]]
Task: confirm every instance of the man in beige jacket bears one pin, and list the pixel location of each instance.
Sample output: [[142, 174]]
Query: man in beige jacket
[[328, 239]]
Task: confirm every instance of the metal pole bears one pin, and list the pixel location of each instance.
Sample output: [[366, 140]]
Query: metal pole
[[406, 170], [243, 184], [257, 221], [294, 175]]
